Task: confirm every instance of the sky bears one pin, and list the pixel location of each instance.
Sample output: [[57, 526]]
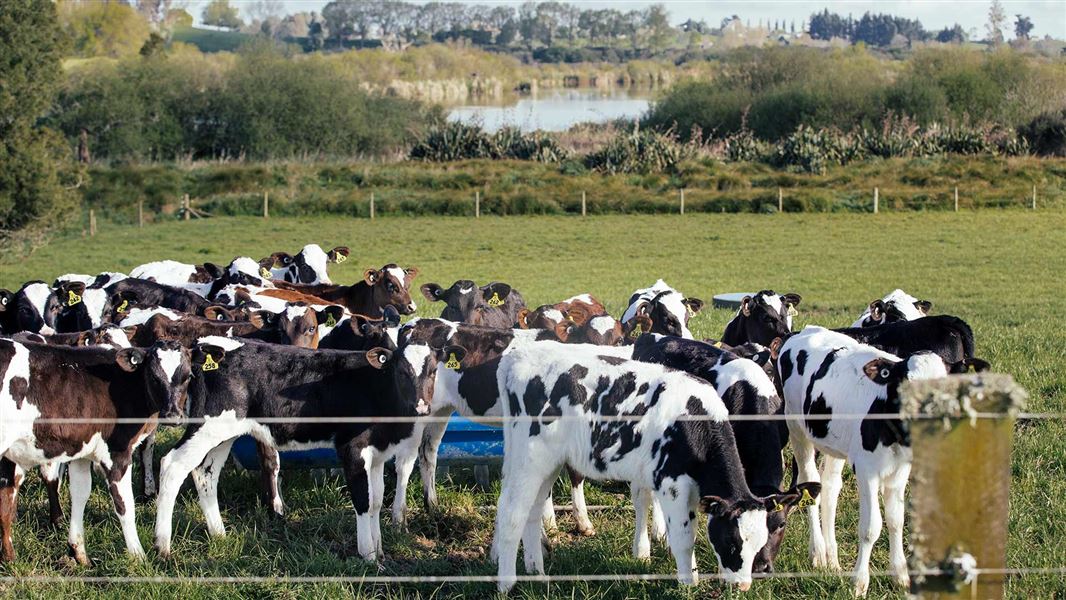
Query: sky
[[1048, 16]]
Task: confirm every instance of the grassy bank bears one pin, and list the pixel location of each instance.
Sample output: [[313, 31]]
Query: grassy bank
[[997, 269], [519, 187]]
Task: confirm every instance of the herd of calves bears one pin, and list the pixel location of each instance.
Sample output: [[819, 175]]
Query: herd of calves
[[91, 365]]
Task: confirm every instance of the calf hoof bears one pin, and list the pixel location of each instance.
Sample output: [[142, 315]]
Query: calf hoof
[[587, 531], [901, 576], [862, 585], [56, 521], [77, 552]]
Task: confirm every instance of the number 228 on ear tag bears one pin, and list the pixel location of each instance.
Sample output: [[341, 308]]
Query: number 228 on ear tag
[[210, 364], [452, 363], [264, 273], [72, 298], [495, 300]]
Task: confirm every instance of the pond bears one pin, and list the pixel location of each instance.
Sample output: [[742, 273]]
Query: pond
[[553, 110]]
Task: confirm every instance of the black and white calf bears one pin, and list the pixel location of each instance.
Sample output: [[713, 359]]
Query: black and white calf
[[825, 373], [34, 308], [493, 305], [761, 318], [559, 395], [239, 381], [668, 309], [897, 305], [745, 389], [948, 337], [53, 382], [204, 280], [308, 266], [89, 307]]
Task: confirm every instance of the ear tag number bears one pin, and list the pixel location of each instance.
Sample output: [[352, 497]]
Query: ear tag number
[[495, 300], [265, 273], [124, 306], [330, 321], [341, 258], [210, 364], [805, 500], [452, 363], [792, 311], [73, 298], [778, 507], [637, 331]]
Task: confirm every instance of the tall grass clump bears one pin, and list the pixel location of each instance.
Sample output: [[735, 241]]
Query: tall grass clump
[[641, 151], [450, 141]]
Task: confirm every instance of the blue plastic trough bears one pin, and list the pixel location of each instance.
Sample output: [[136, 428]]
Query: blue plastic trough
[[463, 440]]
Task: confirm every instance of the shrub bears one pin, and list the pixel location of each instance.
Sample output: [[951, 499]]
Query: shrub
[[1046, 133], [461, 141], [642, 151]]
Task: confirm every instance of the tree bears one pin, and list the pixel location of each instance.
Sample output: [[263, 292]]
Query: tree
[[996, 19], [657, 21], [262, 10], [1022, 27], [826, 26], [951, 35], [178, 17], [316, 34], [219, 13], [32, 45], [103, 29]]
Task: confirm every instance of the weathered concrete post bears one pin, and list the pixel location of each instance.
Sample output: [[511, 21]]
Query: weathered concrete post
[[960, 481]]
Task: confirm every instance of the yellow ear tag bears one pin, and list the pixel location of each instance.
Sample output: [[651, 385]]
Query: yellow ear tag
[[341, 258], [778, 507], [122, 307], [452, 363], [495, 300], [72, 298], [265, 273], [805, 500], [718, 344], [637, 331], [792, 311], [330, 321], [210, 364]]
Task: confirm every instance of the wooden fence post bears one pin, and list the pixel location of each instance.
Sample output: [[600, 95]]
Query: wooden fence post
[[960, 481], [140, 213], [1034, 197], [372, 205], [956, 198], [187, 206], [266, 205], [583, 206], [682, 200], [92, 222], [875, 200], [477, 204], [780, 201]]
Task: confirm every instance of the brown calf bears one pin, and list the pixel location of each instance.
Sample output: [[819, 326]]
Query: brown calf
[[379, 288]]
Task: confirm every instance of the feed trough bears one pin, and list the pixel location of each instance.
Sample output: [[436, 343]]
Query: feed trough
[[464, 441], [730, 300]]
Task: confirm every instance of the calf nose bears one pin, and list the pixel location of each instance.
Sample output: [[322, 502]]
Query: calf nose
[[412, 307]]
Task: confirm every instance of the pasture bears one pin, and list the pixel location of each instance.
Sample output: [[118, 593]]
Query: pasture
[[999, 270]]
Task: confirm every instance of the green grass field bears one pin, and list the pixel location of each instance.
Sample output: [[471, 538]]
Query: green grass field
[[1000, 270]]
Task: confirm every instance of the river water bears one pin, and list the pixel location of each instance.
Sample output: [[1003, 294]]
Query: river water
[[553, 109]]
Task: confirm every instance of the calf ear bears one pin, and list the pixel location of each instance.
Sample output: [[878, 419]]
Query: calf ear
[[792, 299], [216, 312], [85, 338], [715, 506], [924, 306], [259, 318], [638, 326], [377, 357], [745, 306], [129, 359], [242, 295], [563, 330], [577, 314], [452, 356], [408, 275], [432, 292], [214, 270], [496, 293], [131, 332], [360, 324], [5, 299], [694, 304], [877, 310], [338, 254], [70, 292], [330, 315], [977, 364], [371, 276], [521, 320], [207, 356], [879, 370], [278, 260], [390, 315], [775, 347]]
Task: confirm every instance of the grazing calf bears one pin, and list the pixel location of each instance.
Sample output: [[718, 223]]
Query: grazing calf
[[668, 309], [308, 266], [34, 308], [761, 318], [239, 381], [388, 285], [559, 396], [493, 305], [50, 382], [825, 373], [948, 337], [745, 389], [896, 306]]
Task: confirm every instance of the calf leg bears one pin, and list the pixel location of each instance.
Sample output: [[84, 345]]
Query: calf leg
[[532, 548], [120, 484], [577, 496], [869, 526], [427, 462], [405, 464], [52, 474], [147, 452], [8, 490], [808, 472], [357, 461], [206, 477], [269, 478], [517, 502], [681, 530], [81, 484], [832, 470], [658, 522], [894, 486], [641, 501], [377, 500]]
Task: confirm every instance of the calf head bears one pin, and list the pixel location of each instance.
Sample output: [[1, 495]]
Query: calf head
[[762, 318], [546, 316], [601, 330], [920, 365], [737, 530], [776, 519], [467, 303], [298, 324], [167, 369], [392, 285], [245, 271], [669, 313], [373, 333], [416, 371], [34, 308], [896, 306], [308, 266]]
